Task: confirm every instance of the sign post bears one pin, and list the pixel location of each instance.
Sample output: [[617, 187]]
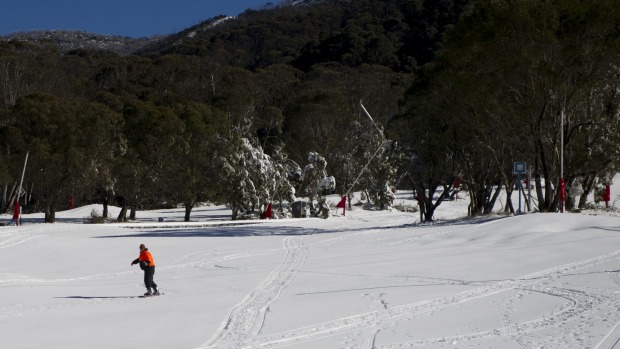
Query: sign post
[[519, 169], [529, 190]]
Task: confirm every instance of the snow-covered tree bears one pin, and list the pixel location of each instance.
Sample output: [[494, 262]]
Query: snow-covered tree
[[317, 183], [285, 171], [382, 174], [250, 179], [375, 165]]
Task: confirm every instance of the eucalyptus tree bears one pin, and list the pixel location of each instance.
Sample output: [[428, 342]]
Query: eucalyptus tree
[[143, 172], [8, 170], [542, 65], [496, 94], [429, 135], [194, 172], [68, 143], [325, 117], [27, 68], [13, 75]]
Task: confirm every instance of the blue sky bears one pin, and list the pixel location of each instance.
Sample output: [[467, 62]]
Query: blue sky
[[134, 18]]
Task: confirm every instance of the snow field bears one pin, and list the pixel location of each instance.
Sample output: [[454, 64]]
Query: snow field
[[370, 279]]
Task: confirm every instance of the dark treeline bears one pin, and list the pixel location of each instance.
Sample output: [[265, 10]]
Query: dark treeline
[[496, 94], [463, 89]]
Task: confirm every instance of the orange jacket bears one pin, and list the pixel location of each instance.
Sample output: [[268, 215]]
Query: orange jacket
[[146, 256]]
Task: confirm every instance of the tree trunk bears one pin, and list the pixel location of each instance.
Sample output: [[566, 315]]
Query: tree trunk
[[188, 211], [105, 208], [313, 212], [588, 186], [490, 200], [477, 203], [569, 200], [3, 204], [547, 201], [50, 213], [421, 198], [429, 213], [509, 208], [539, 194], [526, 202], [235, 211], [132, 213], [122, 216], [427, 207]]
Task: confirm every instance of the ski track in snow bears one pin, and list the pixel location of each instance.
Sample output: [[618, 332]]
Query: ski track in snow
[[17, 235], [579, 304], [511, 329], [16, 240], [246, 318], [610, 341], [368, 340], [614, 276], [612, 338], [392, 241]]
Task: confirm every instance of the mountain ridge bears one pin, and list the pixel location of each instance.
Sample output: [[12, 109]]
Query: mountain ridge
[[68, 40]]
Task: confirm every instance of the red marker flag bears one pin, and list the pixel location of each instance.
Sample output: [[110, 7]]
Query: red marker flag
[[342, 204], [268, 212]]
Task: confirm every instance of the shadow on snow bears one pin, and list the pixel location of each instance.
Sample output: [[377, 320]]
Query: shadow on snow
[[236, 231]]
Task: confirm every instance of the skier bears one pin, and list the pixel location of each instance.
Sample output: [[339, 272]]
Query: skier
[[148, 265]]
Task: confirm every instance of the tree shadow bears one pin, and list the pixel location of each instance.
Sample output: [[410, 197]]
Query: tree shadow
[[217, 231], [249, 229]]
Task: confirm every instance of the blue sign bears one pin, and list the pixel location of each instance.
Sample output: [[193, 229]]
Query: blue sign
[[520, 168]]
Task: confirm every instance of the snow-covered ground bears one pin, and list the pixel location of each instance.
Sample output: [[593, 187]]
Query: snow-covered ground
[[369, 279]]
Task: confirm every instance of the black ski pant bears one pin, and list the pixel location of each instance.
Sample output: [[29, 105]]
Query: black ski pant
[[148, 278]]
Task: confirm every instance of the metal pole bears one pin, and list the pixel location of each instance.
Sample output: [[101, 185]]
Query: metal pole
[[562, 162], [373, 155], [372, 120], [529, 190], [22, 180], [365, 167], [519, 184]]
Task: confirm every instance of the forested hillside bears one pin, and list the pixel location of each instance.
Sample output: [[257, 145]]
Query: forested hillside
[[265, 106], [400, 35]]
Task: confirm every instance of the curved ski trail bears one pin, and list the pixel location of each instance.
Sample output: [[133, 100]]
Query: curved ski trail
[[579, 301], [18, 235], [246, 318], [612, 338]]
